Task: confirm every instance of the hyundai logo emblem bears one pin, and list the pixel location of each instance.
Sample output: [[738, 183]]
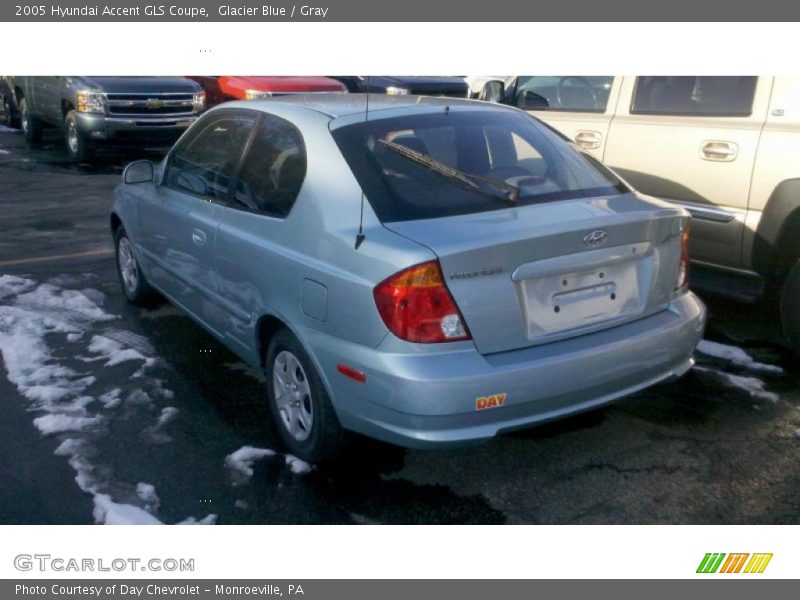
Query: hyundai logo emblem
[[595, 238]]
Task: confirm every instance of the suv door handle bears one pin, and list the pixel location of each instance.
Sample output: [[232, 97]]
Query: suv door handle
[[718, 150], [199, 237], [588, 139]]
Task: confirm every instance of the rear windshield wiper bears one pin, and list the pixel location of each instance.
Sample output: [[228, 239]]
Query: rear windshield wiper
[[485, 185]]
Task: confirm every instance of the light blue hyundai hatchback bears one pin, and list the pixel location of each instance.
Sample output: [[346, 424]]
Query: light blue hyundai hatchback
[[425, 271]]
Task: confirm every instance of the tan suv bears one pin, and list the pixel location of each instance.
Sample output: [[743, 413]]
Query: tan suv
[[725, 148]]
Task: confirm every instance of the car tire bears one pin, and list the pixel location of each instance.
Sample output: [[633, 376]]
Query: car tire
[[790, 307], [10, 114], [302, 413], [80, 149], [31, 126], [134, 285]]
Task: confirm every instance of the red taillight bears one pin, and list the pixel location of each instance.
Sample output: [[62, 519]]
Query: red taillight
[[416, 306], [683, 271]]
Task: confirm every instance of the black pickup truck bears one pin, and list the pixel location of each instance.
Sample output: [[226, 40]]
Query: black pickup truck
[[96, 111]]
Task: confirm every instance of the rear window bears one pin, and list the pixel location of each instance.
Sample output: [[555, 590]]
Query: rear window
[[482, 160]]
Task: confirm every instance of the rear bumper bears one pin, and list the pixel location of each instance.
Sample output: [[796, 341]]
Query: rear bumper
[[430, 399], [155, 131]]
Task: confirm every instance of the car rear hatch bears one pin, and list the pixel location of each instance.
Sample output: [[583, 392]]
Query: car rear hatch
[[529, 275]]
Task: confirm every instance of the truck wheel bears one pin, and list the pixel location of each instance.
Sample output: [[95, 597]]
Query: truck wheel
[[790, 307], [10, 114], [79, 148], [136, 288], [31, 126], [299, 404]]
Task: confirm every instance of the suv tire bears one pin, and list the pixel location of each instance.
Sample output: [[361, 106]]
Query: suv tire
[[10, 114], [790, 307], [79, 148], [303, 413], [31, 126]]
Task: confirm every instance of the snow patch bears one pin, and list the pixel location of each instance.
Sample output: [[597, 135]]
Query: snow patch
[[297, 466], [155, 433], [13, 285], [241, 461], [57, 423], [111, 399], [108, 512], [147, 493], [115, 353], [30, 313], [752, 385], [209, 520], [737, 356]]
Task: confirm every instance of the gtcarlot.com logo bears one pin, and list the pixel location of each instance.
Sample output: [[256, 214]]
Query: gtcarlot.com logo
[[46, 562], [739, 562]]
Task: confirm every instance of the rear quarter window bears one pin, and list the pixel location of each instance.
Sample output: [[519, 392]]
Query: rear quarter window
[[718, 96]]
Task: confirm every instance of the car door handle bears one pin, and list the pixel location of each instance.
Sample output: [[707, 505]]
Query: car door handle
[[199, 237], [588, 139], [718, 150]]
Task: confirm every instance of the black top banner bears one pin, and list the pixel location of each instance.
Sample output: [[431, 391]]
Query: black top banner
[[402, 11]]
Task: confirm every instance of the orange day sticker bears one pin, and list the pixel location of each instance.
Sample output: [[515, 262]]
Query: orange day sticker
[[493, 401]]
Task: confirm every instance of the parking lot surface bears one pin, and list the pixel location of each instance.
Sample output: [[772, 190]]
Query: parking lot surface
[[112, 413]]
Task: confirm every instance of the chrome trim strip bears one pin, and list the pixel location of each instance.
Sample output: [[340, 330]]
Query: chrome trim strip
[[144, 120], [707, 213], [734, 270]]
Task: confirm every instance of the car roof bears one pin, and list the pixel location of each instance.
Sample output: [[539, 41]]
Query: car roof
[[337, 105]]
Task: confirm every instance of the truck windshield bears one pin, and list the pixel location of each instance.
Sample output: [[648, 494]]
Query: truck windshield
[[465, 161]]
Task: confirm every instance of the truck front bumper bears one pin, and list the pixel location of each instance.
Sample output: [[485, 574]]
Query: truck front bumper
[[155, 131]]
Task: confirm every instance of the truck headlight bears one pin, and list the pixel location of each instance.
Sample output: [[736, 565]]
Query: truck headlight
[[396, 91], [256, 94], [91, 102], [199, 101]]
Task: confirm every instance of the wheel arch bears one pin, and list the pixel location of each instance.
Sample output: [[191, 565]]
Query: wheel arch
[[115, 222], [777, 241], [266, 327], [66, 107]]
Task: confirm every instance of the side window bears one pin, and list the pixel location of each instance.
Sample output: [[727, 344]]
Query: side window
[[694, 96], [273, 170], [571, 93], [204, 163]]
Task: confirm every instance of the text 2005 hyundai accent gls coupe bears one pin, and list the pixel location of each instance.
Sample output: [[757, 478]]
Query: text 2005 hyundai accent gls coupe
[[433, 272]]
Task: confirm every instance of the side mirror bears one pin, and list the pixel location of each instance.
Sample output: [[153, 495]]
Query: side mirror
[[493, 91], [141, 171]]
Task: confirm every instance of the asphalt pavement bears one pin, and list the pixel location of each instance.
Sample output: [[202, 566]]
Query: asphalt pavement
[[721, 445]]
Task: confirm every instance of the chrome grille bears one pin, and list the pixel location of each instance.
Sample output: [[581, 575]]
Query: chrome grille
[[155, 105]]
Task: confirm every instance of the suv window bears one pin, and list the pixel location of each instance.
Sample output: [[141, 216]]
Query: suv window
[[571, 93], [694, 96], [479, 156], [273, 170], [204, 163]]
